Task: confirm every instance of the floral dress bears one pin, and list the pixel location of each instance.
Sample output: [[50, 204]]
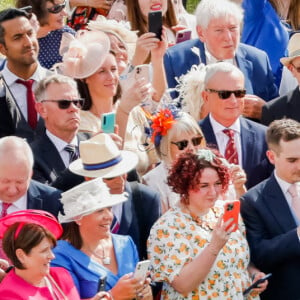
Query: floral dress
[[177, 238]]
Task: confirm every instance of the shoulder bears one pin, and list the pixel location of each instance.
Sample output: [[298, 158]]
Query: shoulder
[[249, 124], [68, 29], [184, 46], [282, 100], [254, 194], [43, 188], [251, 51], [143, 189]]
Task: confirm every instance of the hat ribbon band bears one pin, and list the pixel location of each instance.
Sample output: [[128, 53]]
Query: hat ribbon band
[[104, 165]]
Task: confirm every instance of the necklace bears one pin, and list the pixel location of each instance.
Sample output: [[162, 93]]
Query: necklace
[[105, 259]]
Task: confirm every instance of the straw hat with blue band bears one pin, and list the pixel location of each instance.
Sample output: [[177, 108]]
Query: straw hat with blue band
[[100, 157], [293, 49]]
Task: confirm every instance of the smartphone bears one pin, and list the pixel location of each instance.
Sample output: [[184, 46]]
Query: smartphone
[[155, 23], [141, 270], [232, 211], [256, 283], [183, 35], [108, 121], [102, 284], [142, 71]]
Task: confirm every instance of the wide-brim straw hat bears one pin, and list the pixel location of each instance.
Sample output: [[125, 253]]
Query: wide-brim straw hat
[[293, 49], [83, 55], [100, 157], [86, 198]]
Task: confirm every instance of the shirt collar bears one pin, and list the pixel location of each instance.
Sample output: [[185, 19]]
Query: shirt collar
[[59, 143], [210, 59], [217, 127]]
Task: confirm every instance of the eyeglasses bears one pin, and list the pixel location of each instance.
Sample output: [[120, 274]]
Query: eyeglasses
[[181, 145], [65, 104], [226, 94], [296, 68], [56, 8]]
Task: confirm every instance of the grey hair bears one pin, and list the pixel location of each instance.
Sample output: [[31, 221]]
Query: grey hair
[[11, 144], [220, 67], [40, 90], [213, 9]]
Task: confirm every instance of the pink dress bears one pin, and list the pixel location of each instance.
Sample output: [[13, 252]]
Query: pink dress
[[14, 287]]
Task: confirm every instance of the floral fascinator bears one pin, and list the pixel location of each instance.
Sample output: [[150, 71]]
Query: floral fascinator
[[83, 54]]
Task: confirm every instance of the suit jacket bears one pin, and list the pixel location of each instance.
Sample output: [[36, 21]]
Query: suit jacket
[[287, 106], [273, 240], [41, 196], [254, 64], [48, 164], [254, 147]]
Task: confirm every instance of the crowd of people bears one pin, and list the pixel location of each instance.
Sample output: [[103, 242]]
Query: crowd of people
[[119, 145]]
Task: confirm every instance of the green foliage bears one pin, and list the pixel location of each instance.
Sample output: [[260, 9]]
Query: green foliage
[[6, 4], [191, 5]]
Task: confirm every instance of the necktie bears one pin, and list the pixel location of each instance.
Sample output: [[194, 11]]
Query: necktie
[[73, 152], [5, 207], [31, 112], [115, 225], [231, 152], [293, 190]]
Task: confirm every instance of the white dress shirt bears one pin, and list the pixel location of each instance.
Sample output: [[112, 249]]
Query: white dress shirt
[[20, 204]]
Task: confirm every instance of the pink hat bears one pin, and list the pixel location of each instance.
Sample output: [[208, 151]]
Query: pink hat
[[31, 216], [84, 54]]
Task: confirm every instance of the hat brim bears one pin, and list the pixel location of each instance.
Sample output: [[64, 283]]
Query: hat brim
[[287, 60], [31, 216], [128, 162], [114, 200]]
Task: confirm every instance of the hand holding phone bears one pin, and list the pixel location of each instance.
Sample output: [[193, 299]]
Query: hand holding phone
[[232, 211], [155, 23], [108, 122], [141, 270], [255, 284]]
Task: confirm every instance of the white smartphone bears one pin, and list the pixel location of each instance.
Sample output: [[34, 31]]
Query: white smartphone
[[142, 71], [141, 270]]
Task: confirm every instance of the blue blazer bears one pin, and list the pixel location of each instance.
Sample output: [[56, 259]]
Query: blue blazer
[[254, 64], [41, 196], [254, 147], [273, 240]]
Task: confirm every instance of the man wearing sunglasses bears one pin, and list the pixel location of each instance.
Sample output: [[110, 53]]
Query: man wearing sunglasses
[[225, 128], [18, 43], [58, 103], [218, 28]]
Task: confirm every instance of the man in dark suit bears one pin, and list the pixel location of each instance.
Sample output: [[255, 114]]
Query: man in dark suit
[[272, 215], [18, 43], [223, 97], [59, 105], [286, 106], [134, 217], [17, 190], [218, 28]]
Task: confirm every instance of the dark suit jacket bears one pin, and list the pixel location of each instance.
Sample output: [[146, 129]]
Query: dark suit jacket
[[41, 196], [48, 164], [254, 147], [272, 236], [287, 106], [254, 64]]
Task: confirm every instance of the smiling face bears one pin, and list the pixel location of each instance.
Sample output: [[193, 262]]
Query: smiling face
[[20, 44], [221, 37], [56, 21], [225, 111], [96, 224], [204, 196], [105, 81], [152, 5]]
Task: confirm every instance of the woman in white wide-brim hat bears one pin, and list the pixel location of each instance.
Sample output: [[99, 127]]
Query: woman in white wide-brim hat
[[90, 252]]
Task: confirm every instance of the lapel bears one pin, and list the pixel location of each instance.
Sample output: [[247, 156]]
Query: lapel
[[208, 133], [247, 143], [246, 66], [34, 200], [275, 202], [127, 212]]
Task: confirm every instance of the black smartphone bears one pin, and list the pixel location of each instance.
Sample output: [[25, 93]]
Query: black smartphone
[[256, 283], [155, 23], [102, 284]]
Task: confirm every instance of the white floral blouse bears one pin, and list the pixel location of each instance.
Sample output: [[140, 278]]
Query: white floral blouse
[[176, 239]]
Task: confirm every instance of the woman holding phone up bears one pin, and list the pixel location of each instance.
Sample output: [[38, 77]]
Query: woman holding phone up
[[192, 237]]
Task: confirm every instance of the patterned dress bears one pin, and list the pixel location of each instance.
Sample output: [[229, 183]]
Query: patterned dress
[[177, 238]]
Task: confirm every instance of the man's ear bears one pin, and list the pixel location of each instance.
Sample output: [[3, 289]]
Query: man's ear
[[41, 110], [271, 156], [2, 49], [204, 95], [200, 33]]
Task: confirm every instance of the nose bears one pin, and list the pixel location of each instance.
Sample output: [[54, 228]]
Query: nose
[[191, 147], [12, 189], [73, 107], [227, 35], [28, 40], [51, 255], [213, 190], [64, 12]]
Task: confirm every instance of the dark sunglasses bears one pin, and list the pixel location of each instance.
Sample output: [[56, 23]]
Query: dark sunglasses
[[181, 145], [65, 104], [226, 94], [56, 8], [296, 68]]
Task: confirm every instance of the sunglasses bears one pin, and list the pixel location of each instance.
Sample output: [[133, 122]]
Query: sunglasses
[[181, 145], [296, 68], [65, 104], [226, 94], [56, 8]]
